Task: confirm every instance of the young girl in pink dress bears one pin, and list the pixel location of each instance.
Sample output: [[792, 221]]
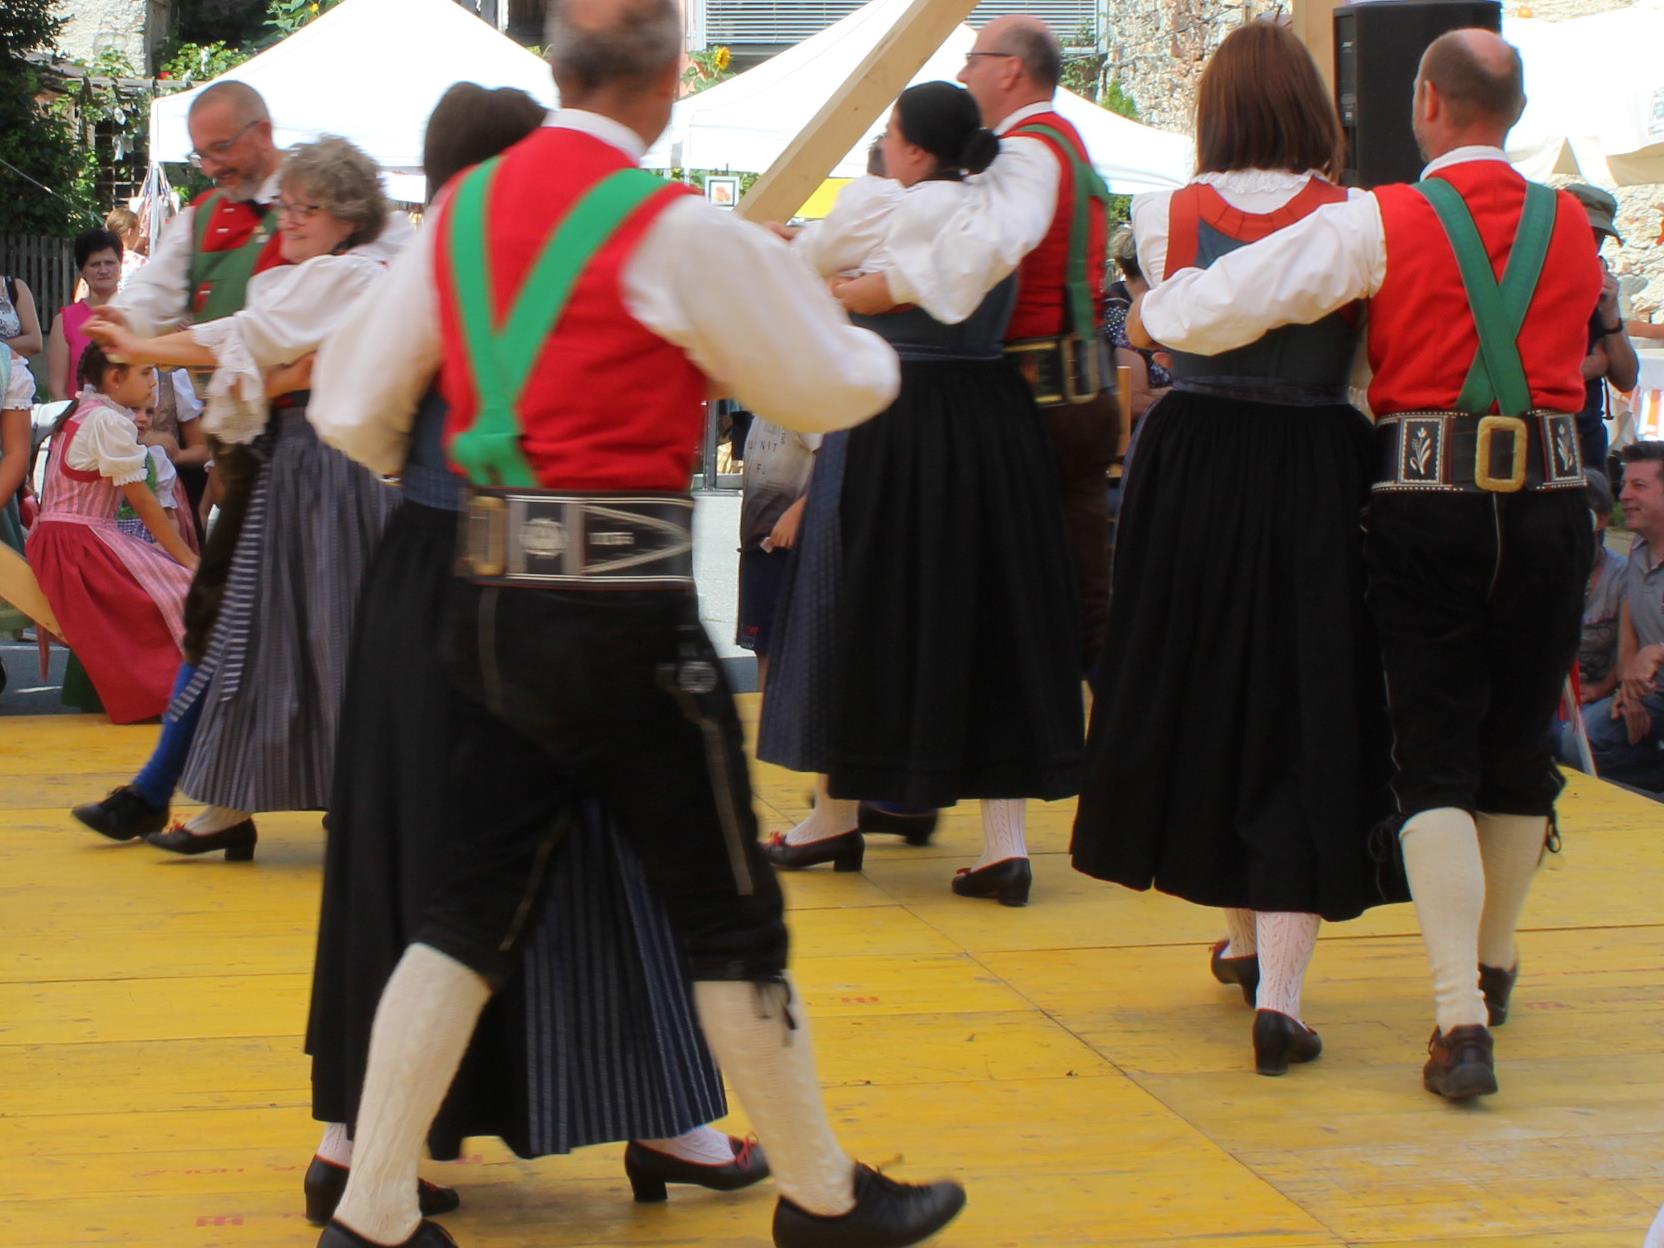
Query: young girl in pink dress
[[119, 599]]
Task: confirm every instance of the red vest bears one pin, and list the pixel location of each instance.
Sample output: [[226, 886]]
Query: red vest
[[1042, 298], [1198, 204], [1422, 340], [609, 404], [218, 276]]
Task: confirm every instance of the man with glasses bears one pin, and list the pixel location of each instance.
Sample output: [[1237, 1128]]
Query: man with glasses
[[200, 271]]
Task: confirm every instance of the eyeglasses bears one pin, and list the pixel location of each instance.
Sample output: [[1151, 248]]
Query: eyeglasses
[[216, 151], [297, 212], [971, 56]]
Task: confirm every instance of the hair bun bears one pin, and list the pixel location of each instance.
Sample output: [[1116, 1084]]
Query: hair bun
[[980, 150]]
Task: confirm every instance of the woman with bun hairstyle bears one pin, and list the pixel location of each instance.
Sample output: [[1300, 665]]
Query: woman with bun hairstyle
[[945, 666], [1239, 754]]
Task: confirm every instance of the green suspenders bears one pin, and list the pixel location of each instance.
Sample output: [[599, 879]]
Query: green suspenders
[[1497, 375], [502, 359], [1088, 186]]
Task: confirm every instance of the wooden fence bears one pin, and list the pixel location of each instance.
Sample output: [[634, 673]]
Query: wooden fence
[[46, 266]]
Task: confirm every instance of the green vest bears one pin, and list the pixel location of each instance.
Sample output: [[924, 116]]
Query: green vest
[[224, 274]]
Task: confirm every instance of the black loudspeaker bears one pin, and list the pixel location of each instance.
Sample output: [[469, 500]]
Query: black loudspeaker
[[1378, 47]]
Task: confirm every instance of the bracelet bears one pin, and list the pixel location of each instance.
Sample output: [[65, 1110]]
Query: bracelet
[[1616, 329]]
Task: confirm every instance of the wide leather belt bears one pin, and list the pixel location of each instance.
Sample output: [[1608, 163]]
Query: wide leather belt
[[1455, 453], [1061, 370], [551, 540]]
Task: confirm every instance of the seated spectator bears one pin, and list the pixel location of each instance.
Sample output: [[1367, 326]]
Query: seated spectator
[[1149, 379], [1611, 359], [1597, 653], [1626, 730], [98, 260]]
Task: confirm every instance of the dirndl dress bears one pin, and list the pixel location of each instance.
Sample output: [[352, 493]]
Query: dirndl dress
[[596, 1039], [946, 661], [271, 679]]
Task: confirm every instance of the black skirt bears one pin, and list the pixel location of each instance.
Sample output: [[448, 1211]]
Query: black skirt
[[1239, 751], [596, 1039], [955, 643]]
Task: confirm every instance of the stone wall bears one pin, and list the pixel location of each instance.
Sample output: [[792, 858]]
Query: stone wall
[[135, 28]]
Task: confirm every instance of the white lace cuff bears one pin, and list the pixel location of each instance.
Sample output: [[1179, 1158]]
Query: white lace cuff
[[236, 410]]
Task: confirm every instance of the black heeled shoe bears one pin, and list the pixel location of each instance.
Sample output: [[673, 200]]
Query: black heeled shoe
[[917, 827], [649, 1171], [1279, 1040], [237, 841], [326, 1183], [1244, 972], [122, 815], [1497, 985], [1007, 881], [427, 1235], [845, 852], [887, 1214]]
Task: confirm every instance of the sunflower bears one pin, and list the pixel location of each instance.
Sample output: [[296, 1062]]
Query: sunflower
[[722, 59]]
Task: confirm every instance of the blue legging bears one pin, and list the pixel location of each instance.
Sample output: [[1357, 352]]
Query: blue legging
[[155, 784]]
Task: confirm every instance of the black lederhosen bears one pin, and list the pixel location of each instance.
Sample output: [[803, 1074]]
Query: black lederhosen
[[1478, 600], [616, 695], [235, 467]]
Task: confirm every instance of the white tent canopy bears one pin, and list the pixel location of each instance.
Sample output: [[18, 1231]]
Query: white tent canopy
[[744, 124], [370, 71], [1594, 91]]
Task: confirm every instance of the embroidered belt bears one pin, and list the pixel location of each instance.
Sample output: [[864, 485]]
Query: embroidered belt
[[1065, 369], [541, 538], [1455, 453]]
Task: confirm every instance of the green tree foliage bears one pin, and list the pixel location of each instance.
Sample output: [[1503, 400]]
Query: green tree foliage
[[46, 178]]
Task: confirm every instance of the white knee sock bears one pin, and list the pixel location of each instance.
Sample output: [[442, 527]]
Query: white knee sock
[[832, 816], [1286, 942], [1003, 821], [703, 1146], [336, 1146], [1510, 846], [1447, 880], [1239, 926], [213, 819], [423, 1024], [760, 1037]]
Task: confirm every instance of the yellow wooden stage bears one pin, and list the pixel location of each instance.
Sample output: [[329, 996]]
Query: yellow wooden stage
[[1072, 1062]]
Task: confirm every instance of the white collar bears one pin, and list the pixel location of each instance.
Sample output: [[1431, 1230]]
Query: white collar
[[606, 129], [1022, 115], [1249, 180], [1462, 155]]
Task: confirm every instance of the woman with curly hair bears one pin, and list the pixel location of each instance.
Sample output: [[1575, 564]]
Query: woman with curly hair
[[256, 721]]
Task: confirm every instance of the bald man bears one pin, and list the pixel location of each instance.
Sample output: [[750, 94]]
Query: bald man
[[1478, 528], [572, 633]]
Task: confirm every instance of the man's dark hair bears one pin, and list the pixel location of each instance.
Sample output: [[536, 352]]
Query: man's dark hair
[[1039, 51], [1473, 90], [875, 159], [1643, 453], [88, 243]]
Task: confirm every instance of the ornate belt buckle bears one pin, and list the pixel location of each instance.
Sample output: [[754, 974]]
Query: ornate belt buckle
[[487, 544], [1489, 428], [1030, 358], [1082, 370]]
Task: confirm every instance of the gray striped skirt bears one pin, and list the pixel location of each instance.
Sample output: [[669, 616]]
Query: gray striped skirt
[[272, 677]]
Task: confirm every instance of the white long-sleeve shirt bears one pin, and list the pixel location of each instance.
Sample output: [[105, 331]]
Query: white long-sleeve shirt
[[1298, 275], [728, 293], [1004, 216]]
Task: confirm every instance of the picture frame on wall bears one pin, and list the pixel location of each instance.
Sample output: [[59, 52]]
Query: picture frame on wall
[[723, 191]]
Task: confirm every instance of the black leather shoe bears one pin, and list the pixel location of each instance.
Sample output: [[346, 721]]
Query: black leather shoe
[[1007, 882], [1279, 1040], [916, 826], [1498, 986], [427, 1235], [1461, 1065], [1244, 972], [237, 841], [326, 1182], [649, 1171], [845, 852], [887, 1214], [122, 815]]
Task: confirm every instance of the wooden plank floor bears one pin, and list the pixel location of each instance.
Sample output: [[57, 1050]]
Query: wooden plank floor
[[1072, 1062]]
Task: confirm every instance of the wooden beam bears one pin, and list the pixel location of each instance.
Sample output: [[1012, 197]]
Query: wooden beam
[[1314, 23], [844, 118]]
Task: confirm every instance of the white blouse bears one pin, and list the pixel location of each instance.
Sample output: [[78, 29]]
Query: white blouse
[[107, 442], [288, 313], [850, 241]]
